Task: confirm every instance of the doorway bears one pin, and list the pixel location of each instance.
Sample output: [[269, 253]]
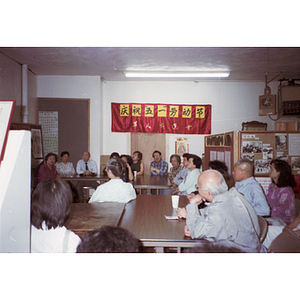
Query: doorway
[[147, 143]]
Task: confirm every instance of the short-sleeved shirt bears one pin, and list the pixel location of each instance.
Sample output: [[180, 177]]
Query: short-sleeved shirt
[[161, 165]]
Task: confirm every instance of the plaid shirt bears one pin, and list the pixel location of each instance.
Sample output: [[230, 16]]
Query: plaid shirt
[[162, 166]]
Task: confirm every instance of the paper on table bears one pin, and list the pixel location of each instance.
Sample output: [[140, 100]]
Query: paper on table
[[171, 217]]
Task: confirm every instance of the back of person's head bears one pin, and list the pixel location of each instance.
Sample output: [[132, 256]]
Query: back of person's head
[[51, 203], [116, 166], [218, 165], [247, 165], [109, 239], [213, 182], [140, 155], [114, 154], [196, 160], [286, 178], [177, 158]]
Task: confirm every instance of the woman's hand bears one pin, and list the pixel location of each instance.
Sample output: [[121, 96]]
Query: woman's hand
[[186, 231]]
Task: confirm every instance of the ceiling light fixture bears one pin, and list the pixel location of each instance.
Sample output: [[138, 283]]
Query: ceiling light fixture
[[176, 74]]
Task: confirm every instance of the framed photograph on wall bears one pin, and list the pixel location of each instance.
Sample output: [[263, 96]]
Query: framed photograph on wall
[[6, 111], [36, 143]]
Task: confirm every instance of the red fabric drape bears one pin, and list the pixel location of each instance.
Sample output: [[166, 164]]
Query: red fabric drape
[[161, 118]]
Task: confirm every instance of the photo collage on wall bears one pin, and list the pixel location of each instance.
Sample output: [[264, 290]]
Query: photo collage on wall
[[261, 149]]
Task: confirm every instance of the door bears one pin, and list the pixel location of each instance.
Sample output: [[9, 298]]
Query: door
[[147, 143]]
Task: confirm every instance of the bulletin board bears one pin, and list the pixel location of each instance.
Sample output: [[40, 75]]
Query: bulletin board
[[222, 147], [262, 147]]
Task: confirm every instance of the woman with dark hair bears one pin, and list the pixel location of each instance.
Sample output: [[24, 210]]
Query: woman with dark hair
[[65, 168], [137, 164], [48, 169], [281, 197], [115, 189], [50, 209], [128, 174], [223, 169]]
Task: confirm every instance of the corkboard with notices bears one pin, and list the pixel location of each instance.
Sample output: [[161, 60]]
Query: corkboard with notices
[[262, 147]]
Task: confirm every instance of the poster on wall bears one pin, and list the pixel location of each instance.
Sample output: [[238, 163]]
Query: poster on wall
[[49, 122], [6, 111], [161, 118], [36, 143], [181, 146]]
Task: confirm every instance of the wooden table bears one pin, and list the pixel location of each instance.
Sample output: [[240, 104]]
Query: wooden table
[[145, 219], [85, 217], [151, 182], [77, 178]]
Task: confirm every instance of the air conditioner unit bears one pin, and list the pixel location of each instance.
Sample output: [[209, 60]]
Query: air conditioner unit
[[289, 99]]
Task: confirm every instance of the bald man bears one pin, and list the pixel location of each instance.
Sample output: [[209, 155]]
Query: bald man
[[246, 184], [228, 218]]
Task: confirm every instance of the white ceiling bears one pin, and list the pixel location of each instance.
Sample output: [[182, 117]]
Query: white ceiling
[[243, 63]]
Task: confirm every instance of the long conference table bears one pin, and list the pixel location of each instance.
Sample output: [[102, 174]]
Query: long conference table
[[144, 217], [148, 182]]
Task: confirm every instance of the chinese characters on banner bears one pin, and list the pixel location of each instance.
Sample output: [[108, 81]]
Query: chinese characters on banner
[[49, 122], [161, 118]]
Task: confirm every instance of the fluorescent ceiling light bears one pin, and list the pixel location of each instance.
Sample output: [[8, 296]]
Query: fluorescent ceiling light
[[176, 74]]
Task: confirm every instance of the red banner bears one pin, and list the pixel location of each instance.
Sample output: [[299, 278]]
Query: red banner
[[161, 118]]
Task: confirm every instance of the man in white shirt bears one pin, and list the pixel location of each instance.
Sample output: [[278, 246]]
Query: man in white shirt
[[86, 167]]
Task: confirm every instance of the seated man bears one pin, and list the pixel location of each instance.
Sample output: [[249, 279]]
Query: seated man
[[228, 218], [246, 184], [189, 183], [158, 166], [115, 190], [86, 167], [182, 174]]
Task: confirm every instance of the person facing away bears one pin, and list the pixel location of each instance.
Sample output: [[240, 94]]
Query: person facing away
[[246, 184], [137, 164], [115, 190], [112, 155], [109, 239], [280, 196], [65, 168], [50, 209], [86, 167], [229, 217], [158, 166]]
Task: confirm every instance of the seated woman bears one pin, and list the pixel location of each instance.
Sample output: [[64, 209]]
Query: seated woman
[[115, 189], [223, 169], [48, 170], [280, 196], [176, 166], [128, 174], [50, 209], [189, 184], [65, 168], [137, 164]]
